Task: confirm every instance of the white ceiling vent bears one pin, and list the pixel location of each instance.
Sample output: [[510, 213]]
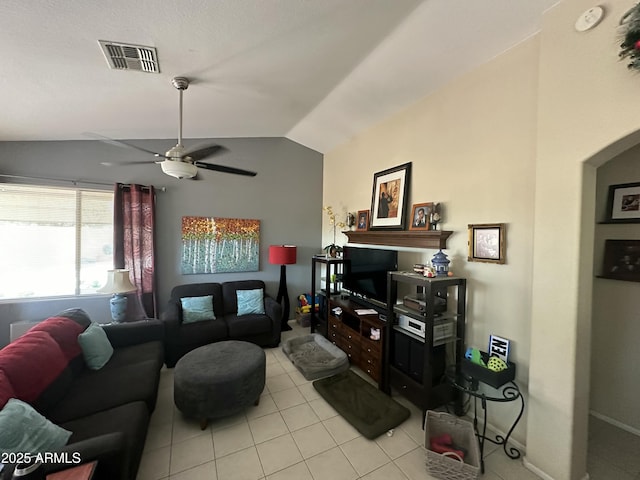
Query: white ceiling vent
[[122, 56]]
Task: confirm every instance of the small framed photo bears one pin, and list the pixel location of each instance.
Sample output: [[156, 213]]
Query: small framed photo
[[622, 260], [420, 216], [363, 220], [487, 243], [623, 204], [389, 198]]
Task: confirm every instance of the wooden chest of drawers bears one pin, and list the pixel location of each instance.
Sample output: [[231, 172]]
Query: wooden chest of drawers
[[352, 334]]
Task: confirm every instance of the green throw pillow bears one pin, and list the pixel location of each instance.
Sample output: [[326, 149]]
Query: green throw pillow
[[250, 301], [96, 348], [196, 309], [22, 429]]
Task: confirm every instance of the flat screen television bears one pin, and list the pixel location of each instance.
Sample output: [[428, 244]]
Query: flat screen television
[[365, 273]]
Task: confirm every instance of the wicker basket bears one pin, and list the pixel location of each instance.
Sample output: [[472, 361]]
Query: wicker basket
[[444, 466], [303, 319]]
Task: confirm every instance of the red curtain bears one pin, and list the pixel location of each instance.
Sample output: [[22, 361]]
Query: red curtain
[[134, 245]]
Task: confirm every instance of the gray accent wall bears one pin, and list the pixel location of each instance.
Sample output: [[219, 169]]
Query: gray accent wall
[[286, 196]]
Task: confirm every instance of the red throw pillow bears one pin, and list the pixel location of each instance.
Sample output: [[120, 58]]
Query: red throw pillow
[[65, 332], [6, 390], [31, 363]]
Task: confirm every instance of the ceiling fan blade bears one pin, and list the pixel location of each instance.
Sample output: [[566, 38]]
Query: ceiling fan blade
[[126, 164], [122, 143], [224, 169], [204, 152]]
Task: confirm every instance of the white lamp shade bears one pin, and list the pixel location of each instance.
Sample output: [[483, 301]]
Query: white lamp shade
[[117, 282]]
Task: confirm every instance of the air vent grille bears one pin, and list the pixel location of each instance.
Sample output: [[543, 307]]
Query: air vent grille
[[121, 56]]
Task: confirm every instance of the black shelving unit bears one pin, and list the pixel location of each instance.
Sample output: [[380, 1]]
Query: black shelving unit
[[416, 364], [318, 318]]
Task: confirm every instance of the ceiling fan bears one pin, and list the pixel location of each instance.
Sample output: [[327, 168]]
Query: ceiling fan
[[179, 161]]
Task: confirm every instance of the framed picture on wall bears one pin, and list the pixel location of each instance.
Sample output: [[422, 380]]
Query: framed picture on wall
[[487, 243], [389, 198], [622, 260], [623, 204]]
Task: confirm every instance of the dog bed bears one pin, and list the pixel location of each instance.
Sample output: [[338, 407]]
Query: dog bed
[[315, 356]]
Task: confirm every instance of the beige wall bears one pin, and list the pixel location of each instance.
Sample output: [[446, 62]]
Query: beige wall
[[472, 147], [518, 141], [584, 116]]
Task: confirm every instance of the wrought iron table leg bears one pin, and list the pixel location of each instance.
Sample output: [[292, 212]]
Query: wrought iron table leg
[[510, 392], [512, 452], [480, 437]]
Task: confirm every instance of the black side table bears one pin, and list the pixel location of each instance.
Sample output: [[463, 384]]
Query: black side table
[[509, 392]]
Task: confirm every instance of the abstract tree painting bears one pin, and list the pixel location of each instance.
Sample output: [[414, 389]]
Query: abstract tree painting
[[220, 245]]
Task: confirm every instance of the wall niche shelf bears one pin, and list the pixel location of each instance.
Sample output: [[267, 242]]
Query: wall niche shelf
[[619, 222], [400, 238]]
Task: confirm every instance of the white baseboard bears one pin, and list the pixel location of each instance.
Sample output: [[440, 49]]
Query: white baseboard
[[615, 423], [529, 466]]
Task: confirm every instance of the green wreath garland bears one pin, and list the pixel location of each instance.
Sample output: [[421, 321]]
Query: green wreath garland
[[630, 46]]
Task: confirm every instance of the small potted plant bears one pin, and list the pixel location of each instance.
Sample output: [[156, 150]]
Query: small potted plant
[[332, 250]]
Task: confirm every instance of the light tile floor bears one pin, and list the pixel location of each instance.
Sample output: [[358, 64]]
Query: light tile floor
[[293, 434]]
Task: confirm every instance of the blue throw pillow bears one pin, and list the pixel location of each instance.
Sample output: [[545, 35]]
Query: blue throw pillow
[[22, 429], [96, 348], [250, 301], [195, 309]]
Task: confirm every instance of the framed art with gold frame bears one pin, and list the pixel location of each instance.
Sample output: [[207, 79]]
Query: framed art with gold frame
[[487, 243]]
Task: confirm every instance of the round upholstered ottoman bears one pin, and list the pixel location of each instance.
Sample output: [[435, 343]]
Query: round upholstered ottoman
[[219, 380]]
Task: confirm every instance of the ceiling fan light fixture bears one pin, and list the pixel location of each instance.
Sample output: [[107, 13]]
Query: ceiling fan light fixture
[[181, 162], [179, 169]]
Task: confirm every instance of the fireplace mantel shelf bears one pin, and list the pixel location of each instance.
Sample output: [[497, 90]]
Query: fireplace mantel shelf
[[401, 238]]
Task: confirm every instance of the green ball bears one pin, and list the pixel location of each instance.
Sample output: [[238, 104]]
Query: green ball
[[496, 364]]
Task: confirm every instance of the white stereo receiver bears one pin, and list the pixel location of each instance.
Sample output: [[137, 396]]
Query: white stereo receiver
[[411, 324], [442, 329]]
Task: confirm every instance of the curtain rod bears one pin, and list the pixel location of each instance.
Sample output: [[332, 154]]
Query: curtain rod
[[73, 182]]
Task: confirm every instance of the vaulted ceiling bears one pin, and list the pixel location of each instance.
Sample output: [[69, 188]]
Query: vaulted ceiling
[[314, 71]]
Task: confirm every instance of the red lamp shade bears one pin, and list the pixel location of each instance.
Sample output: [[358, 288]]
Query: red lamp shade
[[282, 254]]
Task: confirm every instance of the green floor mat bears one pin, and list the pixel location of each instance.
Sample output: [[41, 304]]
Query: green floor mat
[[369, 410]]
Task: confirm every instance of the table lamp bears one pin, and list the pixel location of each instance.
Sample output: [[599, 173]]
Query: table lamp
[[118, 283], [283, 255]]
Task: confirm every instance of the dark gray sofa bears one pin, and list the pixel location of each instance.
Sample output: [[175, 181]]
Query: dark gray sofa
[[181, 338], [107, 410]]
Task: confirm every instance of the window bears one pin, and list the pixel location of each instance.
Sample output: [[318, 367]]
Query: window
[[54, 241]]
